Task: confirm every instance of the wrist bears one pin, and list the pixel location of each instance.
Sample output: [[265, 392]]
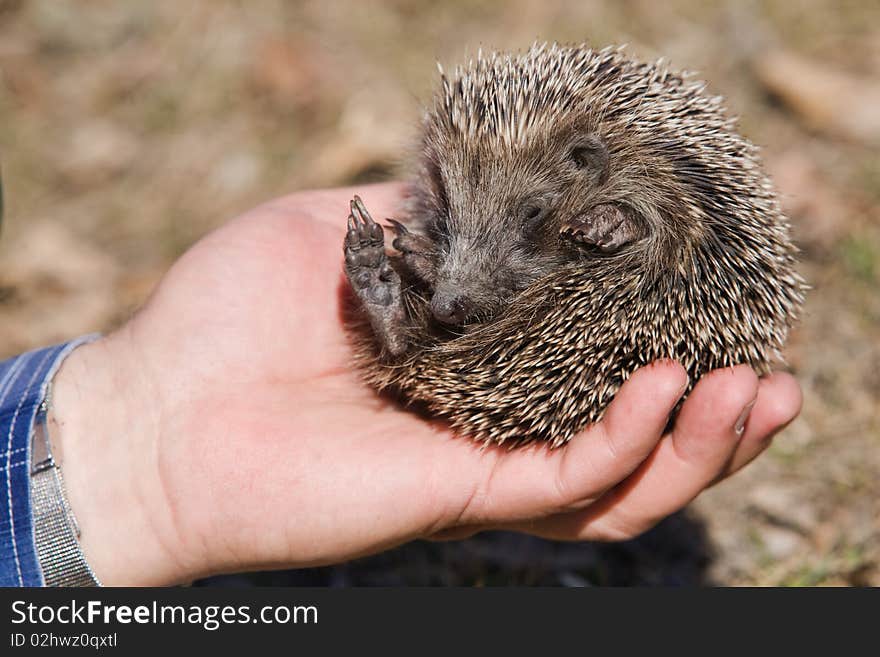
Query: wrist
[[103, 430]]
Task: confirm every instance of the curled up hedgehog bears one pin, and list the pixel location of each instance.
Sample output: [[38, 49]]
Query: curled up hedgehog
[[576, 214]]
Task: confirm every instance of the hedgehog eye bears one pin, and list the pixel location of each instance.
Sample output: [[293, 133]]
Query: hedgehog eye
[[440, 225], [435, 178], [590, 154], [532, 213]]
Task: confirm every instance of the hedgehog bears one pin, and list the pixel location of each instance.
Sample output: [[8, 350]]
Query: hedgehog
[[574, 214]]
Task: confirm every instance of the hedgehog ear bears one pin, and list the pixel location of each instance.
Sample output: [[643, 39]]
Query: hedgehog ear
[[589, 153]]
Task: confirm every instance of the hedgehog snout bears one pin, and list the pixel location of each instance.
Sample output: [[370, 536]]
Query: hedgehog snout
[[450, 307]]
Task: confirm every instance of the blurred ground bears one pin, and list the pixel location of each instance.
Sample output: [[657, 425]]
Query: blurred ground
[[128, 129]]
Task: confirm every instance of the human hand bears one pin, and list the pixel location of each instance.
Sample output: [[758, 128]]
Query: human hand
[[224, 429]]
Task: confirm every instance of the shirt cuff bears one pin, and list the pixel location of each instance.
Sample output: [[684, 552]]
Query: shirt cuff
[[24, 381]]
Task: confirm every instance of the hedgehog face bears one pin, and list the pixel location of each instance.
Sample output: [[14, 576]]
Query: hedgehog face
[[493, 237], [568, 154], [503, 217]]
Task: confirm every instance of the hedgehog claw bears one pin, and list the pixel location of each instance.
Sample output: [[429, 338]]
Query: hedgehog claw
[[398, 228], [359, 210]]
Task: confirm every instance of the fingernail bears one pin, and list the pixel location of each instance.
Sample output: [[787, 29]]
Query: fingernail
[[740, 425], [684, 386]]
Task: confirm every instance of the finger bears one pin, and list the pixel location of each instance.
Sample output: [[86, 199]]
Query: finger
[[533, 482], [700, 446], [779, 402]]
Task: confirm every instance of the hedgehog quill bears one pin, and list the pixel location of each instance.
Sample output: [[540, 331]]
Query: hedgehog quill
[[575, 214]]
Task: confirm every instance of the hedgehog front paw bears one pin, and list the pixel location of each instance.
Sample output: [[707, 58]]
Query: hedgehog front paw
[[366, 265], [417, 252], [605, 227]]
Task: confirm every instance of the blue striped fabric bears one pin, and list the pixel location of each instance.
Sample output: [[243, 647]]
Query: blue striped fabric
[[23, 384]]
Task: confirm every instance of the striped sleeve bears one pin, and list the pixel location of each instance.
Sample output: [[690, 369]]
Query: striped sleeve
[[23, 384]]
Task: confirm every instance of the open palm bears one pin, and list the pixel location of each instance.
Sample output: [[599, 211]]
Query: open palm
[[268, 451]]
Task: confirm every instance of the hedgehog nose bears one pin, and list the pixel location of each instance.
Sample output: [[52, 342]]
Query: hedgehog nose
[[449, 310]]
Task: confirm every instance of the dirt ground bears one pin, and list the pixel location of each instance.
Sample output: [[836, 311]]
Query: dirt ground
[[128, 129]]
